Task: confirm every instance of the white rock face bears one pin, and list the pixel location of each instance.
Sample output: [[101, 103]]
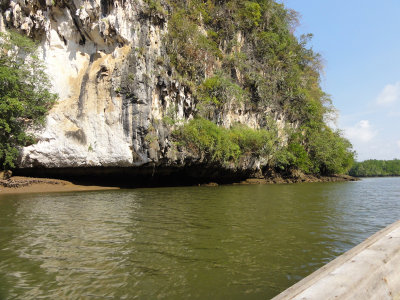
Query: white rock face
[[103, 60], [84, 128], [84, 49]]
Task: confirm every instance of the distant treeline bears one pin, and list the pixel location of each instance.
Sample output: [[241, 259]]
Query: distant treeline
[[373, 167]]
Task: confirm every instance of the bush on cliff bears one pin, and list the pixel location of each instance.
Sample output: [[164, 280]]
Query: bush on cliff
[[24, 95], [206, 138], [222, 144]]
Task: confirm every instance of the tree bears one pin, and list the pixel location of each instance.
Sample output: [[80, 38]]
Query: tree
[[373, 167], [330, 152], [25, 96]]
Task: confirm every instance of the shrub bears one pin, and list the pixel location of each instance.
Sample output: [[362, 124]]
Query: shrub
[[220, 89], [206, 137], [250, 14], [254, 142], [223, 145]]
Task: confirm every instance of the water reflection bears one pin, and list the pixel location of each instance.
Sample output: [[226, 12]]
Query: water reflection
[[177, 243]]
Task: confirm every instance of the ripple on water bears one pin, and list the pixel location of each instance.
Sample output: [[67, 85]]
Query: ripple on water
[[227, 242]]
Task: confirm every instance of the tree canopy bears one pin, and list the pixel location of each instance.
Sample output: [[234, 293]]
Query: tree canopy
[[25, 96], [373, 167]]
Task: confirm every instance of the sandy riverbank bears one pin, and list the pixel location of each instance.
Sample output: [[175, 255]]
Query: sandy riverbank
[[22, 185]]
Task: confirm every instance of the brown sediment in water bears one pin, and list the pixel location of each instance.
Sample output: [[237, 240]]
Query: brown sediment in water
[[26, 185]]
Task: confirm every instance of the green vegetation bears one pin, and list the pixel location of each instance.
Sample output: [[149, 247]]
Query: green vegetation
[[24, 95], [246, 52], [372, 167], [204, 137], [219, 89], [155, 7], [224, 145], [325, 153]]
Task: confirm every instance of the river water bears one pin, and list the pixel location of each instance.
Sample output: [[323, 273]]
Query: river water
[[226, 242]]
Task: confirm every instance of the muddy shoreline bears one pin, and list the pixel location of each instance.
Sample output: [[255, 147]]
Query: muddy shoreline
[[300, 179], [26, 185]]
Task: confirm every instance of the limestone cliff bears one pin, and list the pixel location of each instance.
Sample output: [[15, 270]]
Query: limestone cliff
[[103, 58], [107, 63]]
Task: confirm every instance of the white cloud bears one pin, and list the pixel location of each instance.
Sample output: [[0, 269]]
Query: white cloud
[[361, 132], [390, 94], [398, 143]]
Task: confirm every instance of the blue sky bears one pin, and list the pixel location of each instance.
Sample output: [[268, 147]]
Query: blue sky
[[360, 45]]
